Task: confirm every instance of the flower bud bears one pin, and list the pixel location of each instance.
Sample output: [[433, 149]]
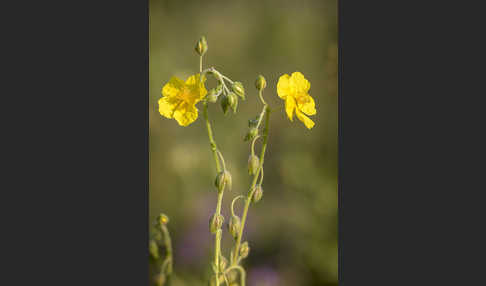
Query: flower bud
[[222, 263], [244, 249], [223, 179], [252, 133], [234, 226], [225, 104], [154, 249], [232, 277], [238, 88], [212, 95], [162, 219], [253, 164], [215, 223], [201, 46], [233, 101], [257, 194], [260, 82]]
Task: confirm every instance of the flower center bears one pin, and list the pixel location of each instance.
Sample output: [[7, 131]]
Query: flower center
[[302, 99], [185, 95]]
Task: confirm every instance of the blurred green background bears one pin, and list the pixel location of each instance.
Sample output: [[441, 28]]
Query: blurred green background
[[293, 231]]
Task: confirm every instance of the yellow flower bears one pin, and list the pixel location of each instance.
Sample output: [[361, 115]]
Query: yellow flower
[[179, 99], [294, 90]]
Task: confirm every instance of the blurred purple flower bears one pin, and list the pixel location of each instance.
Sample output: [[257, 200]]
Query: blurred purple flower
[[263, 275], [192, 248]]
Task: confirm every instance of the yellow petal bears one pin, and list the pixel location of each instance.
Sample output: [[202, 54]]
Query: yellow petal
[[197, 88], [307, 105], [289, 107], [307, 121], [167, 106], [193, 79], [185, 114], [298, 81], [173, 87], [283, 86]]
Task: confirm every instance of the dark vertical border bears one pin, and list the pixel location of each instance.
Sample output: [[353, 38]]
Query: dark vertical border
[[80, 148], [340, 142]]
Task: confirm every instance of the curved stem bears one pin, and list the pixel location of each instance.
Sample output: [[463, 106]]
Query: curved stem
[[222, 160], [168, 247], [233, 203], [214, 147], [266, 110], [242, 273], [253, 144]]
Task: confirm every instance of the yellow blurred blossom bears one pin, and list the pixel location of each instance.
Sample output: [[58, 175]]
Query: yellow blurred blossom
[[179, 99], [294, 90]]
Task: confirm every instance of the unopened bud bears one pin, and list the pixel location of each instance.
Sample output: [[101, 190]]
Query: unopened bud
[[222, 263], [238, 88], [260, 82], [154, 249], [201, 46], [215, 223], [244, 249], [257, 194], [234, 226], [253, 164], [223, 180], [162, 219], [233, 101], [252, 133], [225, 104], [212, 95]]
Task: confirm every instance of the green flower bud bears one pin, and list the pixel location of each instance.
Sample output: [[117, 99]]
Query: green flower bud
[[232, 277], [244, 249], [253, 164], [222, 263], [257, 195], [219, 88], [223, 179], [234, 226], [252, 133], [212, 95], [160, 279], [233, 101], [201, 46], [225, 104], [154, 249], [215, 223], [260, 82], [238, 88], [162, 219]]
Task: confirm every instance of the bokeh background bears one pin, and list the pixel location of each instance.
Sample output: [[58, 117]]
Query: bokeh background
[[293, 231]]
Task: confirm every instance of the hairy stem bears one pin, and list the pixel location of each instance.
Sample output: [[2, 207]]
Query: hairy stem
[[216, 152], [167, 264], [265, 110]]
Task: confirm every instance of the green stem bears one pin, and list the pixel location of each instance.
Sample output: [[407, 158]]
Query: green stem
[[266, 110], [214, 147], [200, 64], [242, 273], [168, 247]]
